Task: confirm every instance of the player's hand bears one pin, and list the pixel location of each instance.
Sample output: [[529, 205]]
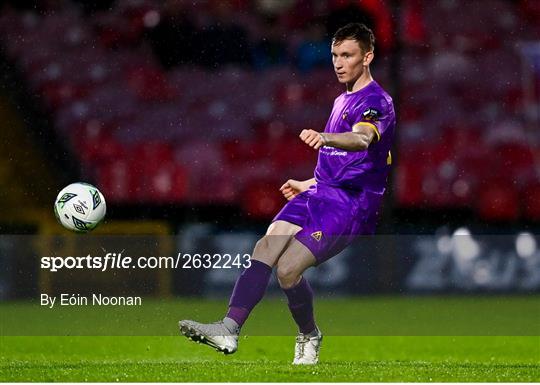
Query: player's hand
[[313, 138], [292, 188]]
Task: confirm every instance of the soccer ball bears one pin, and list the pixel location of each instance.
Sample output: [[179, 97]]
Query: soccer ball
[[80, 207]]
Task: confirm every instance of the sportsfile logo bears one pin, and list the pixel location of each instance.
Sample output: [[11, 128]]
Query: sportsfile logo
[[119, 261]]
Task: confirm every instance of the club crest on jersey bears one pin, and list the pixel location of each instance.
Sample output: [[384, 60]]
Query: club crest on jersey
[[371, 114], [317, 235], [345, 114]]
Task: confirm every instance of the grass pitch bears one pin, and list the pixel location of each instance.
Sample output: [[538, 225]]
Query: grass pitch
[[267, 358]]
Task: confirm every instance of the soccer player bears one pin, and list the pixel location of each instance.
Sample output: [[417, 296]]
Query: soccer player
[[326, 213]]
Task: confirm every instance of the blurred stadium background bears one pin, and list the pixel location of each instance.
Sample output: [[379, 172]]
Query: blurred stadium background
[[186, 115]]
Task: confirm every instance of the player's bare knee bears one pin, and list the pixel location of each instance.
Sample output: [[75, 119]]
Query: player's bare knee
[[261, 248], [268, 249], [261, 245], [288, 275]]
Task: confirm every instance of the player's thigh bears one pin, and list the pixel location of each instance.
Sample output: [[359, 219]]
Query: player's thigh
[[293, 262], [278, 236], [282, 228]]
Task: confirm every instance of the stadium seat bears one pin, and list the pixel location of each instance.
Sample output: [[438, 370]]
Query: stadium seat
[[168, 184], [154, 154], [117, 182], [409, 182], [292, 94], [238, 151], [97, 66], [531, 202], [298, 155], [149, 84], [499, 203], [59, 93], [515, 158], [98, 149], [262, 199]]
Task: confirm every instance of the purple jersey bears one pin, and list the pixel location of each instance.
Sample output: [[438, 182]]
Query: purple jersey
[[350, 184], [359, 170]]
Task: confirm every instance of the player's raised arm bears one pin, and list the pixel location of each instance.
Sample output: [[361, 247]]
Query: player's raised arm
[[357, 140]]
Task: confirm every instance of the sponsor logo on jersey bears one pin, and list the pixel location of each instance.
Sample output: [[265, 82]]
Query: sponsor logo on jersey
[[332, 151]]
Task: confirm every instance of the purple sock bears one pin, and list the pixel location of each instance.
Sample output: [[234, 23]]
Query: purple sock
[[301, 305], [248, 291]]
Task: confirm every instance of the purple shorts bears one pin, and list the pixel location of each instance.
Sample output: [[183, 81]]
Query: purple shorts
[[331, 218]]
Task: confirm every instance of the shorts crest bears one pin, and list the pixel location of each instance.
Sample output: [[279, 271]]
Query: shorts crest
[[317, 235]]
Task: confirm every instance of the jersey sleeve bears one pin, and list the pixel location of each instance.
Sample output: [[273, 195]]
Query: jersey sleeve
[[371, 113]]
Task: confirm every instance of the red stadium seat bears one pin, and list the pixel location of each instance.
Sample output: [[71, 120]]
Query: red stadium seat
[[531, 202], [270, 130], [212, 186], [149, 84], [291, 153], [409, 182], [114, 30], [153, 154], [99, 148], [242, 151], [59, 93], [293, 94], [499, 202], [97, 66], [475, 164], [262, 199], [116, 181], [169, 183], [515, 158], [455, 137]]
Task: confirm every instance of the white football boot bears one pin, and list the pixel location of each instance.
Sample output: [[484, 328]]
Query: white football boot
[[306, 350], [215, 335]]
